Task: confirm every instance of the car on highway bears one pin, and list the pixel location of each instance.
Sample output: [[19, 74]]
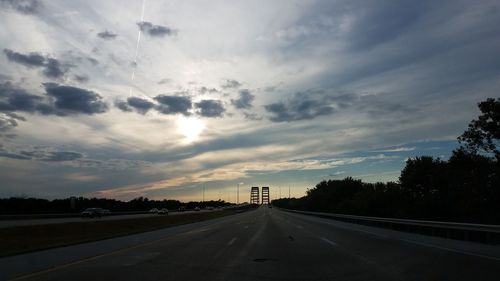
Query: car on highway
[[153, 211], [163, 211], [93, 212], [197, 208], [182, 209]]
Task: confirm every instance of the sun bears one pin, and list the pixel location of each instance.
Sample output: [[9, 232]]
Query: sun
[[190, 128]]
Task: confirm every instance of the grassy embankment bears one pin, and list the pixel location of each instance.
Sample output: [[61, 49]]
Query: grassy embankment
[[23, 239]]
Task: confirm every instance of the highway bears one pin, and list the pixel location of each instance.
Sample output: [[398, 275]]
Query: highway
[[272, 244]]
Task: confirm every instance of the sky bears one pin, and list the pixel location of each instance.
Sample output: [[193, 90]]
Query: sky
[[162, 99]]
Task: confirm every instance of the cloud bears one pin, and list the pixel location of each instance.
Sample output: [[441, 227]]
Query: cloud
[[30, 60], [52, 68], [41, 155], [230, 84], [156, 30], [252, 116], [13, 98], [173, 104], [397, 149], [108, 35], [164, 81], [244, 101], [140, 105], [8, 121], [123, 106], [210, 108], [57, 156], [308, 105], [204, 90], [28, 7], [81, 78], [70, 99]]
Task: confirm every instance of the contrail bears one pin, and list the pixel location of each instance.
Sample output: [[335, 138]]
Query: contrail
[[137, 48]]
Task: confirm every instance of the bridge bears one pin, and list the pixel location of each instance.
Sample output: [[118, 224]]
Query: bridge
[[255, 198]]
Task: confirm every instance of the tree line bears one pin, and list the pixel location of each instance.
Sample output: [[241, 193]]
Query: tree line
[[464, 188], [21, 205]]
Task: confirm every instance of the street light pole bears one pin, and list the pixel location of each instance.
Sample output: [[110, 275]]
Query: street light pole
[[237, 193]]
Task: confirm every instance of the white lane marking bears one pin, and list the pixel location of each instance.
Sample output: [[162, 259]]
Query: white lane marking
[[450, 249], [299, 226], [328, 241], [369, 232], [231, 242]]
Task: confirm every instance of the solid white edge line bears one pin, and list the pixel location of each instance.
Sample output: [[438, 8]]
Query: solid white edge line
[[328, 241], [450, 249], [231, 241]]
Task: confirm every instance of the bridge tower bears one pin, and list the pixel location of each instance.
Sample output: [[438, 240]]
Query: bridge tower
[[254, 195], [265, 195]]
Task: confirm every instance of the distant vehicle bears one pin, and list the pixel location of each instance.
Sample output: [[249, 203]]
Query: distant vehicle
[[197, 208], [163, 211], [153, 211], [209, 208], [182, 209], [93, 212], [106, 212]]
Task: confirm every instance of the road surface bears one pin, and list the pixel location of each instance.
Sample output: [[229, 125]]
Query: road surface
[[271, 244]]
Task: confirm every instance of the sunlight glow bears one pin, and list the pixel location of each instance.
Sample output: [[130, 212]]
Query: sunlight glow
[[190, 128]]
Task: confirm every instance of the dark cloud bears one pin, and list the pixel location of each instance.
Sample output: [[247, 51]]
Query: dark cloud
[[107, 35], [41, 155], [52, 68], [123, 106], [308, 105], [28, 7], [29, 60], [244, 101], [229, 83], [156, 30], [204, 90], [252, 116], [81, 78], [13, 98], [173, 104], [58, 156], [140, 105], [14, 156], [70, 99], [210, 108]]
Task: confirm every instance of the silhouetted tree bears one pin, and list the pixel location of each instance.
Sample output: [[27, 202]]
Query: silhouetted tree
[[483, 134]]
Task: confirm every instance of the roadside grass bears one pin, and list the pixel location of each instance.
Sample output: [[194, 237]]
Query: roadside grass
[[24, 239]]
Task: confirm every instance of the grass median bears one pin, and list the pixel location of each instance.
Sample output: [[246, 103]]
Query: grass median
[[23, 239]]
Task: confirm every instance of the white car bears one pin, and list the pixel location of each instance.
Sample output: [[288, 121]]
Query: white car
[[153, 211], [163, 211]]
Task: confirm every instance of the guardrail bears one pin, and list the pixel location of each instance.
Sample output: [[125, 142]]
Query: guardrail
[[484, 233]]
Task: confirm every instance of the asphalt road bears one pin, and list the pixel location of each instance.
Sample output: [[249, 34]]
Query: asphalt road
[[271, 244], [24, 222]]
